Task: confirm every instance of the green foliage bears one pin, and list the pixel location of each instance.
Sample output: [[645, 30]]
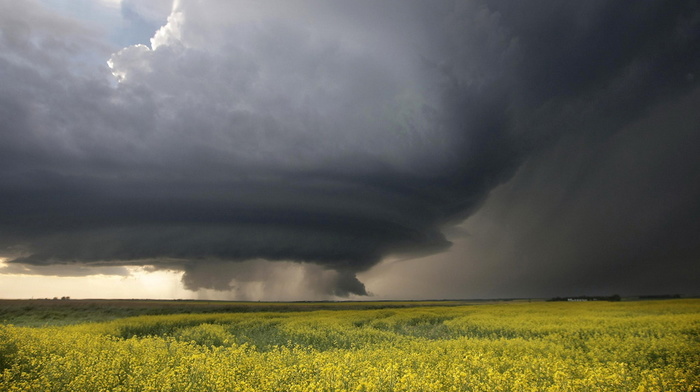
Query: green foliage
[[602, 346], [44, 312]]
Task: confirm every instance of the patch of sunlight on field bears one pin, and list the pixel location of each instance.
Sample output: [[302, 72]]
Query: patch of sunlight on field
[[545, 346]]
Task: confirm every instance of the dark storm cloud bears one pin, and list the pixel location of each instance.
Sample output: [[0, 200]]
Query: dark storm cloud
[[323, 282], [607, 203], [332, 133], [594, 216]]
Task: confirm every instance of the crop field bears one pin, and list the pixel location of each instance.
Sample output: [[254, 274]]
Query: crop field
[[509, 346]]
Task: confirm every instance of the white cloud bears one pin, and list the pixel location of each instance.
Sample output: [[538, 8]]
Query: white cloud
[[288, 91], [111, 3]]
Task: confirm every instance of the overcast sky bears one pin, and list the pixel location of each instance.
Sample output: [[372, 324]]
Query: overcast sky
[[309, 149]]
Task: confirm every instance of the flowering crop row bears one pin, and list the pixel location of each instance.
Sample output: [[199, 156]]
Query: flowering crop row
[[628, 346]]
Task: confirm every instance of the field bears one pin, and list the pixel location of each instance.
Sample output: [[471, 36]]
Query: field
[[374, 346]]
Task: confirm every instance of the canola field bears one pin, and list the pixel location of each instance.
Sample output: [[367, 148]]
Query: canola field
[[544, 346]]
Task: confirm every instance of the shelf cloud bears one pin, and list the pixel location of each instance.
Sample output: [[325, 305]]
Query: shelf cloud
[[337, 134]]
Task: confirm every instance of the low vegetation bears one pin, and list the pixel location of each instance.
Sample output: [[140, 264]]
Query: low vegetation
[[544, 346], [52, 312]]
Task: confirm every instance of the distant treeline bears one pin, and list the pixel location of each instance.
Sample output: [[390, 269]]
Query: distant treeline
[[588, 298], [614, 297], [662, 296]]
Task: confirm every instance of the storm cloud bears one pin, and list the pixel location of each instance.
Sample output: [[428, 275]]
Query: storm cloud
[[340, 133]]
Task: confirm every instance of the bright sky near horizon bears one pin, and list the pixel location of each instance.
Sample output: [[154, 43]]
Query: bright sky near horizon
[[327, 149]]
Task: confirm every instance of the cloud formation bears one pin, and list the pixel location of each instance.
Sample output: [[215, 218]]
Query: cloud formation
[[331, 133]]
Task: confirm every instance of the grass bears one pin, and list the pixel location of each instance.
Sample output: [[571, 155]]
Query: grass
[[46, 312]]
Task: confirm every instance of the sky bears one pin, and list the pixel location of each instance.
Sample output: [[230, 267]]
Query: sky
[[330, 150]]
